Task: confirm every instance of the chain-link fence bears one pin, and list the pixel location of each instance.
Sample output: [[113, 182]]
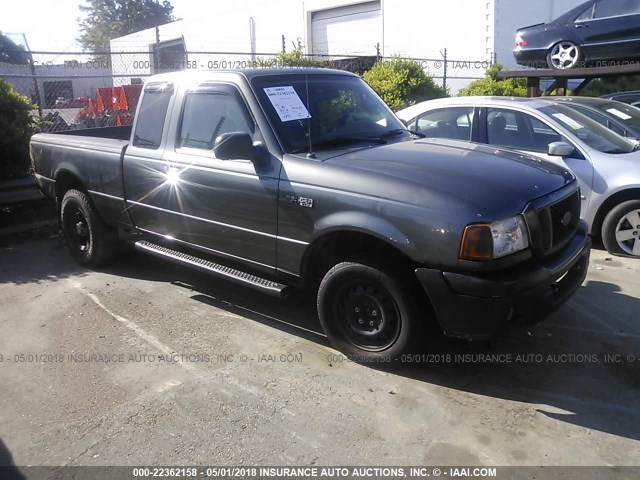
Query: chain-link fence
[[81, 90]]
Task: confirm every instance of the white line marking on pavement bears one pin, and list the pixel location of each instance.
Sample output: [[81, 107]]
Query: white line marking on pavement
[[140, 332]]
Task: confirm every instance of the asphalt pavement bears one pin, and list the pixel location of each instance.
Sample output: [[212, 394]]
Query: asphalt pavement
[[148, 363]]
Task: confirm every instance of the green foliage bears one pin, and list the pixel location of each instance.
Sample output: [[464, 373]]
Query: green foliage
[[16, 127], [109, 19], [295, 58], [606, 85], [401, 83], [492, 85], [11, 52]]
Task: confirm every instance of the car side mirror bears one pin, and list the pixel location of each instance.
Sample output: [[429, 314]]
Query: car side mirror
[[560, 149], [233, 146]]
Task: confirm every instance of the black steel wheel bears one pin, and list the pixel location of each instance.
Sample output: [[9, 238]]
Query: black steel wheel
[[367, 311], [89, 239]]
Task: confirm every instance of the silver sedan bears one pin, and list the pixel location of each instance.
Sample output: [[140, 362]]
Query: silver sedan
[[607, 165]]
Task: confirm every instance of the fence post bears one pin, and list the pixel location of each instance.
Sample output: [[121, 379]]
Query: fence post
[[156, 54], [444, 75]]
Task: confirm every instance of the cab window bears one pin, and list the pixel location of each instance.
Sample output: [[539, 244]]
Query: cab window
[[151, 117], [207, 115]]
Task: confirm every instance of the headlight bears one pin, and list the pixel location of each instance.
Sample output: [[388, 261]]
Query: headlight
[[486, 241]]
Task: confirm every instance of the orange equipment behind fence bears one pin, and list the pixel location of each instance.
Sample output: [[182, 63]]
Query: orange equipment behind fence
[[112, 106]]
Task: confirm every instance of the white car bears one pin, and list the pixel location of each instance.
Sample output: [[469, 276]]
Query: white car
[[607, 165]]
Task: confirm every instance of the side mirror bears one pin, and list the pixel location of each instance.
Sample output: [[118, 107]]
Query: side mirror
[[233, 145], [239, 146], [560, 149]]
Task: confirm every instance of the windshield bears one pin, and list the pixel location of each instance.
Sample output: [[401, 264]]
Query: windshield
[[323, 109], [628, 115], [589, 131]]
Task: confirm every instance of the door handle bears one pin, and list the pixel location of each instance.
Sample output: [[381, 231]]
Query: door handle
[[581, 26]]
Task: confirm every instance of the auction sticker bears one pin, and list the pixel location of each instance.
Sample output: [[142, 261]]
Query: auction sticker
[[619, 114], [287, 103]]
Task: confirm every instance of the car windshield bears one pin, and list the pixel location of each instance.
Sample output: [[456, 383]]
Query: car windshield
[[589, 131], [627, 114], [324, 110]]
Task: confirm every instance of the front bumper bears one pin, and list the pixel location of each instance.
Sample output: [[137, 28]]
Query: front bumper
[[478, 306]]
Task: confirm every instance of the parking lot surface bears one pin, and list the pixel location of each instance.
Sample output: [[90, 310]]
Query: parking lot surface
[[146, 363]]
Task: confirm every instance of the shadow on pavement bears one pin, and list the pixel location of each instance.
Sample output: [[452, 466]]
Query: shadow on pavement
[[560, 365], [8, 470]]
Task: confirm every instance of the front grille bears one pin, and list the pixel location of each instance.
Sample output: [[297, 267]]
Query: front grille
[[553, 225]]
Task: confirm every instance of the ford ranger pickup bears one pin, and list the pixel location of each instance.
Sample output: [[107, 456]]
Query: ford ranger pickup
[[304, 178]]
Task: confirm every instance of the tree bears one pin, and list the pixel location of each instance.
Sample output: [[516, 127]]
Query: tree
[[16, 126], [492, 85], [401, 83], [294, 58], [606, 85], [109, 19], [11, 52]]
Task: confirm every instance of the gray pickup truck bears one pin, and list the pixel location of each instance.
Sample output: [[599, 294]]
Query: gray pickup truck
[[305, 178]]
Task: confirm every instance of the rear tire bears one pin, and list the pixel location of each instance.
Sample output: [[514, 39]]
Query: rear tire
[[89, 239], [621, 229], [564, 55], [368, 312]]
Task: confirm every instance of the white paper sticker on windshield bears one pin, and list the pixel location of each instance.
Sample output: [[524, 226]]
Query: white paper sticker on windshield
[[568, 121], [618, 113], [287, 103]]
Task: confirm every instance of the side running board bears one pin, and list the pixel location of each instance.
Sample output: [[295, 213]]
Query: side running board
[[262, 284]]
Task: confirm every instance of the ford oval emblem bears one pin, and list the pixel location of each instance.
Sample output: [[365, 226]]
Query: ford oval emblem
[[566, 219]]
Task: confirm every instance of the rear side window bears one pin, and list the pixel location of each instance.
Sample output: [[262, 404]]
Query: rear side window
[[612, 8], [208, 115], [151, 116]]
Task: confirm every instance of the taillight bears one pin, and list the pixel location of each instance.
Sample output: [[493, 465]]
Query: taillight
[[521, 42]]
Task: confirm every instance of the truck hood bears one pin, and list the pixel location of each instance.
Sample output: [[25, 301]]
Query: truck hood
[[476, 174]]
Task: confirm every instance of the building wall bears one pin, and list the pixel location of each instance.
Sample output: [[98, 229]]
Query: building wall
[[85, 78], [472, 32]]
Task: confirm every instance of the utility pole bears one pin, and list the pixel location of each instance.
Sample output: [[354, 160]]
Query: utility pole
[[444, 75], [156, 53]]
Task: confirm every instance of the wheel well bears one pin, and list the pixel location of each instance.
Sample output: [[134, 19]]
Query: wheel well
[[65, 181], [609, 203], [332, 248]]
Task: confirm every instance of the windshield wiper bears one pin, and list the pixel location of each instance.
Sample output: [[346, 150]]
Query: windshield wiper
[[329, 142]]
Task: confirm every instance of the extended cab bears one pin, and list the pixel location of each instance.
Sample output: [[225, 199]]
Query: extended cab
[[305, 178]]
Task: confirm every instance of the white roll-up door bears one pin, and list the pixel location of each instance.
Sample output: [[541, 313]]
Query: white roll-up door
[[349, 30]]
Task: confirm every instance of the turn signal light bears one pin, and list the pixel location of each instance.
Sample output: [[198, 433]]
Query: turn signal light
[[477, 242]]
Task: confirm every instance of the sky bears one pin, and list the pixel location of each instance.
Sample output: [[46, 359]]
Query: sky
[[51, 25]]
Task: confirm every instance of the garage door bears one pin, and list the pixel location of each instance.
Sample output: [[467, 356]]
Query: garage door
[[351, 30]]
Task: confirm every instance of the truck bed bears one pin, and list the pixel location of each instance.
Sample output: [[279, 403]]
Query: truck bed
[[93, 157]]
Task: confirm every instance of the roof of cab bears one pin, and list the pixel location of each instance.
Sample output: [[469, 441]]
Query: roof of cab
[[249, 73]]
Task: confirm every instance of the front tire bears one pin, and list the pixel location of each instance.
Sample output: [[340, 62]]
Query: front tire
[[367, 312], [89, 239], [564, 55], [621, 229]]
